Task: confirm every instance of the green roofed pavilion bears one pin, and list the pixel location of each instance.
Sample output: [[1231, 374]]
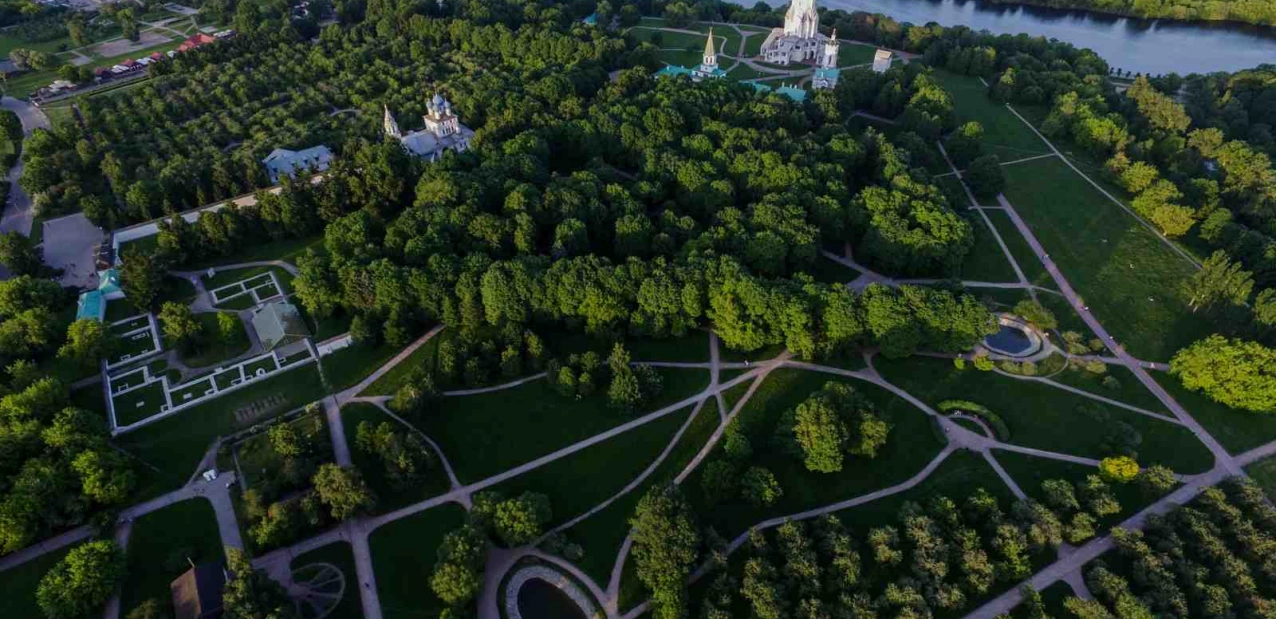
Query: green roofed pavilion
[[279, 323]]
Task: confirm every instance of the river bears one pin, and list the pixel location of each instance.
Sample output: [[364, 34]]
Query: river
[[1147, 46]]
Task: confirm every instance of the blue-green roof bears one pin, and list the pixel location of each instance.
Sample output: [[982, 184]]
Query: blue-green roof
[[91, 306], [592, 19], [674, 70], [796, 94], [829, 74], [108, 281]]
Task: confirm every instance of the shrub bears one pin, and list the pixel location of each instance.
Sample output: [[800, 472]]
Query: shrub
[[1121, 469], [991, 419]]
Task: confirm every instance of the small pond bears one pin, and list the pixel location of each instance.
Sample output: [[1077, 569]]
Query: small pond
[[538, 599], [1010, 340]]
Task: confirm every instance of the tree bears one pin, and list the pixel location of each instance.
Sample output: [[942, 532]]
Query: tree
[[250, 594], [1098, 497], [629, 16], [519, 521], [1219, 281], [966, 143], [152, 608], [142, 276], [87, 342], [1120, 469], [821, 433], [128, 24], [19, 255], [181, 328], [229, 327], [81, 582], [665, 545], [1060, 495], [760, 487], [343, 490], [75, 29], [1155, 480], [719, 482], [985, 176], [1034, 312], [1236, 373]]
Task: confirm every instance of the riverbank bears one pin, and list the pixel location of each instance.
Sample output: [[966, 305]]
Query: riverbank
[[1215, 13]]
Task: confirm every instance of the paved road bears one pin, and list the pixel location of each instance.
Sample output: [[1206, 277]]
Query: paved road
[[18, 213], [1220, 454]]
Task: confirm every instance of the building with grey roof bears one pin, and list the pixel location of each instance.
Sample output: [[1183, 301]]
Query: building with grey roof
[[284, 162]]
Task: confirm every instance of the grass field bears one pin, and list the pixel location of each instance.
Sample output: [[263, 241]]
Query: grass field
[[212, 348], [133, 346], [339, 555], [577, 483], [1032, 268], [681, 58], [602, 534], [175, 445], [139, 403], [743, 72], [1126, 274], [229, 276], [484, 435], [346, 367], [1044, 417], [848, 54], [1238, 431], [1131, 391], [726, 43], [159, 547], [389, 498], [1004, 135], [422, 358], [403, 554], [986, 262], [911, 444], [18, 585]]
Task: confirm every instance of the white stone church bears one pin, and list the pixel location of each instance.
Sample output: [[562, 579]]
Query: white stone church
[[443, 131], [799, 40]]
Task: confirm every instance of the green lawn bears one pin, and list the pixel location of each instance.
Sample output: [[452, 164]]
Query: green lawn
[[339, 555], [693, 347], [1238, 431], [681, 58], [753, 44], [159, 547], [602, 534], [960, 474], [133, 346], [1004, 135], [911, 444], [1024, 256], [743, 72], [986, 262], [388, 497], [486, 434], [230, 276], [422, 358], [286, 250], [346, 367], [1045, 417], [212, 349], [1130, 279], [139, 403], [848, 54], [18, 585], [1131, 391], [175, 445], [1029, 472], [403, 554], [579, 482], [684, 41]]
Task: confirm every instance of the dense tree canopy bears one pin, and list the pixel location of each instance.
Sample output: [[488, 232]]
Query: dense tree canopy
[[1238, 373]]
